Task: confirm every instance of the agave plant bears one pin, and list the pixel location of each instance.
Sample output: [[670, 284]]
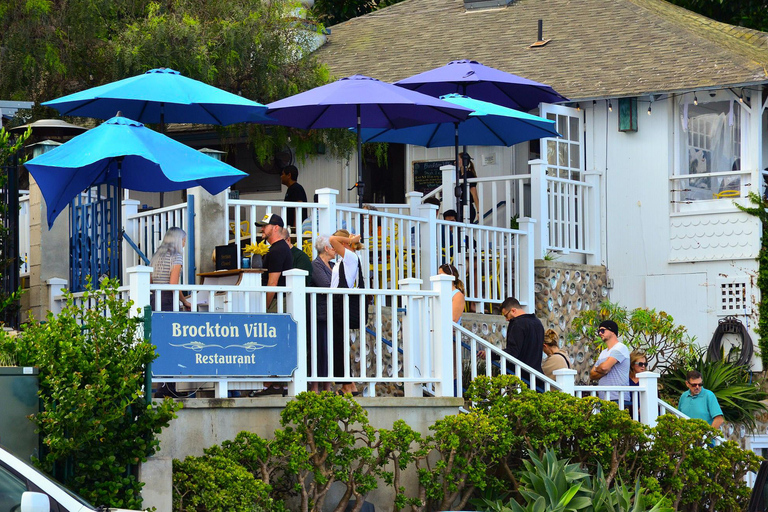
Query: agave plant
[[739, 397], [549, 484]]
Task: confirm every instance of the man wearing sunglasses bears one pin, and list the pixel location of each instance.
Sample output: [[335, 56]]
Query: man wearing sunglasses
[[612, 367], [700, 403]]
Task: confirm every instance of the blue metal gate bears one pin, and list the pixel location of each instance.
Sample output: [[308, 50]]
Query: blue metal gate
[[94, 236]]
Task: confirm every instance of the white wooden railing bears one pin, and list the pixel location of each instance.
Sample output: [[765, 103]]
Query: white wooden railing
[[147, 228], [705, 189]]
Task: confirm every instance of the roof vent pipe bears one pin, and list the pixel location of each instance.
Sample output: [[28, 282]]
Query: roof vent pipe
[[540, 41]]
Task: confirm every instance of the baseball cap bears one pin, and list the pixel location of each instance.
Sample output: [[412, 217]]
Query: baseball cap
[[273, 219]]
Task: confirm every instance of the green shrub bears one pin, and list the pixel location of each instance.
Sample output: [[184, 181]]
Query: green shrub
[[95, 424], [647, 330], [214, 483]]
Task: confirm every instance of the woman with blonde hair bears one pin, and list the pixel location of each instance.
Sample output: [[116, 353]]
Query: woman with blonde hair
[[166, 266], [556, 359], [346, 274], [457, 301], [638, 363]]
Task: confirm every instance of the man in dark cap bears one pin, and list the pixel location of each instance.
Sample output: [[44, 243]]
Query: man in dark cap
[[612, 367], [278, 259]]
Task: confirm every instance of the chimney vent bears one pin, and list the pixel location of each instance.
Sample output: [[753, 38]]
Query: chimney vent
[[540, 41]]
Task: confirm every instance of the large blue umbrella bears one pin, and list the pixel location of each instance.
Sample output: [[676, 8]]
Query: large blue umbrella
[[362, 102], [126, 153], [470, 78], [488, 125], [161, 96]]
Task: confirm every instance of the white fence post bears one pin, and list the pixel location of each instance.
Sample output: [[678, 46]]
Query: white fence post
[[442, 327], [526, 265], [429, 246], [594, 222], [326, 222], [56, 286], [414, 202], [413, 364], [649, 397], [138, 288], [130, 209], [449, 183], [295, 281], [540, 206], [566, 379]]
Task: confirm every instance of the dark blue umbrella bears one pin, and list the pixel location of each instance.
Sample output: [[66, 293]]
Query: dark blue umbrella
[[161, 96], [470, 78], [126, 153], [488, 125], [362, 102]]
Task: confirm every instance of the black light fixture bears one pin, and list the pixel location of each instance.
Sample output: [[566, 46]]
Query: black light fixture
[[695, 99], [610, 106], [649, 109]]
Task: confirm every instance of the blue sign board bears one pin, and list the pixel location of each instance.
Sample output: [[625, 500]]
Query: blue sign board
[[224, 345]]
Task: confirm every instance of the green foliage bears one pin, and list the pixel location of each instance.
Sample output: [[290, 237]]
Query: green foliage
[[739, 397], [746, 13], [333, 12], [647, 330], [95, 424], [256, 48], [549, 484], [693, 472], [218, 484], [326, 439], [760, 210]]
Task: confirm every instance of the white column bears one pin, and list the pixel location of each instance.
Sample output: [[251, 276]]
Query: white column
[[413, 199], [593, 221], [540, 206], [566, 379], [428, 246], [138, 288], [526, 264], [649, 397], [442, 327], [56, 287], [449, 183], [414, 365], [295, 282], [326, 222], [129, 256]]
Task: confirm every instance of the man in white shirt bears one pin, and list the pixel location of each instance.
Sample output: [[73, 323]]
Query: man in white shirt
[[612, 367]]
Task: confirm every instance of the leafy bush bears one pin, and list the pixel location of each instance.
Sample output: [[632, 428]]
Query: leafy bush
[[646, 330], [95, 424], [549, 484], [218, 484], [739, 397]]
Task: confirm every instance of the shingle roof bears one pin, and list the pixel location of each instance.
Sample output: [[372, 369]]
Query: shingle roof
[[598, 48]]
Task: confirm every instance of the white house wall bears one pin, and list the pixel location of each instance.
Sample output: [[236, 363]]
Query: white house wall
[[681, 264]]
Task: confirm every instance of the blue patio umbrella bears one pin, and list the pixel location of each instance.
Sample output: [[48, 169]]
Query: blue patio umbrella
[[126, 153], [362, 102], [470, 78], [488, 125], [161, 96]]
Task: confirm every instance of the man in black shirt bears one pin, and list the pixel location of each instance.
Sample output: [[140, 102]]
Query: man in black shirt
[[525, 336], [279, 257], [294, 194]]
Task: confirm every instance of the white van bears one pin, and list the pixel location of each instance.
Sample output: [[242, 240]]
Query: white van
[[24, 488]]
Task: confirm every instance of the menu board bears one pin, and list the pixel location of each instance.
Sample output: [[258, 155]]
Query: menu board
[[427, 175]]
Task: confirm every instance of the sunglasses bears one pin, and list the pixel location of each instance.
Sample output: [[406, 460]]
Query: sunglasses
[[696, 385], [602, 330], [642, 365]]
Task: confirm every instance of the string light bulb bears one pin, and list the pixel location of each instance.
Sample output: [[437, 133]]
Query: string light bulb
[[695, 99], [578, 107], [610, 106], [649, 109], [741, 98]]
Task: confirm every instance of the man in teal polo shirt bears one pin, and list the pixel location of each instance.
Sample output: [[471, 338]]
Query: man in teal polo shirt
[[700, 403]]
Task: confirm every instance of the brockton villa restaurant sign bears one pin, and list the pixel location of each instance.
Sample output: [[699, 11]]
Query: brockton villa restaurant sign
[[224, 345]]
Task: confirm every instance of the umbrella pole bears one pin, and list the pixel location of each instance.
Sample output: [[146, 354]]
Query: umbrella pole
[[360, 184], [162, 131], [457, 188], [118, 248]]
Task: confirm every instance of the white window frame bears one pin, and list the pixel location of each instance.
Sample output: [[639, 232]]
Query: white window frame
[[679, 203]]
